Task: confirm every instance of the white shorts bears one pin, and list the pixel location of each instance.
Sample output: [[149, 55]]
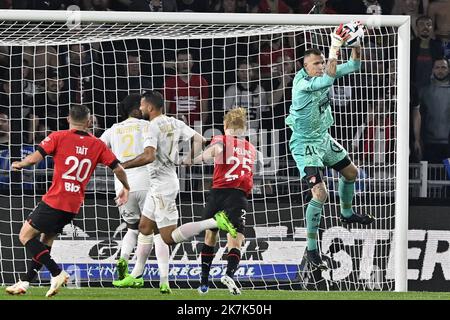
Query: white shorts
[[131, 211], [161, 208]]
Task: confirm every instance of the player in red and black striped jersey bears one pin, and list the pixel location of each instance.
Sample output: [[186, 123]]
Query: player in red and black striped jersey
[[234, 164], [75, 153]]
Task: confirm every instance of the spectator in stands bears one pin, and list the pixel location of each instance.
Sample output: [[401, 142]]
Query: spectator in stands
[[29, 90], [435, 111], [100, 5], [154, 5], [362, 6], [7, 4], [302, 6], [377, 7], [186, 94], [412, 8], [132, 80], [52, 106], [248, 94], [424, 50], [228, 6], [324, 7], [446, 47], [399, 6], [94, 126], [285, 71], [375, 139], [273, 47], [28, 100], [5, 103], [29, 179], [4, 131], [193, 5], [38, 5], [5, 89], [40, 58], [372, 71], [5, 57], [283, 75], [439, 11], [242, 6], [40, 132], [415, 139], [28, 87], [104, 5], [4, 151], [79, 70]]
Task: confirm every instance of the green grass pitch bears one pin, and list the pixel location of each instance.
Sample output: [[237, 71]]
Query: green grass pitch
[[38, 293]]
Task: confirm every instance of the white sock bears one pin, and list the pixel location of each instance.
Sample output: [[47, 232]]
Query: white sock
[[128, 243], [144, 247], [162, 256], [188, 230]]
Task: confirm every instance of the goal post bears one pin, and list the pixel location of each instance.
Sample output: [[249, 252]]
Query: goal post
[[107, 34]]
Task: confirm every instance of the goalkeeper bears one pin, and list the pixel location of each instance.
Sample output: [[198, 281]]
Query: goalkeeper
[[311, 145]]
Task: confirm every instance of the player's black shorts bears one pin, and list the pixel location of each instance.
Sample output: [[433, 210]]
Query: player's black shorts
[[48, 220], [233, 201]]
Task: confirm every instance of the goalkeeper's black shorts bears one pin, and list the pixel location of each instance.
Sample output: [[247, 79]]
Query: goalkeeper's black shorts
[[233, 201]]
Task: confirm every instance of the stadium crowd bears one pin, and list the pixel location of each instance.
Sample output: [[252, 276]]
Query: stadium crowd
[[210, 79]]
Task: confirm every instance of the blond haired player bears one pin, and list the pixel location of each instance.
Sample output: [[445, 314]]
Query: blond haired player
[[234, 163]]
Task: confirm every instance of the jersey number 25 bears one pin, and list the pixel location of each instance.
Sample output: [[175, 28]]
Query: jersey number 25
[[232, 174]]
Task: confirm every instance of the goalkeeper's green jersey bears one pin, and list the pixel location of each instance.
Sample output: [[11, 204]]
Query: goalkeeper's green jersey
[[310, 114]]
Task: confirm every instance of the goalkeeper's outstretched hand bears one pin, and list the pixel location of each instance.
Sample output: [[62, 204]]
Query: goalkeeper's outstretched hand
[[338, 38], [339, 35]]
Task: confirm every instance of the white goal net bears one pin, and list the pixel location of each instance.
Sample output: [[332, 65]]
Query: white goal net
[[47, 66]]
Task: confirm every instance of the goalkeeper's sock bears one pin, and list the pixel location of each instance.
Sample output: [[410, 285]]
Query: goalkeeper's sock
[[346, 193], [313, 214], [191, 229], [207, 256], [128, 243], [162, 256], [41, 255], [144, 247], [234, 256], [33, 268]]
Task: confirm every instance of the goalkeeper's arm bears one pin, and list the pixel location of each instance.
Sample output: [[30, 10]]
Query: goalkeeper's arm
[[353, 65], [339, 37]]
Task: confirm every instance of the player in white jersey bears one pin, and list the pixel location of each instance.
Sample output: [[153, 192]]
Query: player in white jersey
[[161, 151], [126, 140]]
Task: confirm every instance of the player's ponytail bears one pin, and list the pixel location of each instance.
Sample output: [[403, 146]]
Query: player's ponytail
[[236, 119]]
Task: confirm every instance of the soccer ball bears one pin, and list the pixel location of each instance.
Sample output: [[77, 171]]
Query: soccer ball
[[356, 31]]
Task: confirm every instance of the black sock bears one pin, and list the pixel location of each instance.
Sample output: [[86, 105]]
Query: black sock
[[41, 254], [207, 256], [33, 268], [234, 257]]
